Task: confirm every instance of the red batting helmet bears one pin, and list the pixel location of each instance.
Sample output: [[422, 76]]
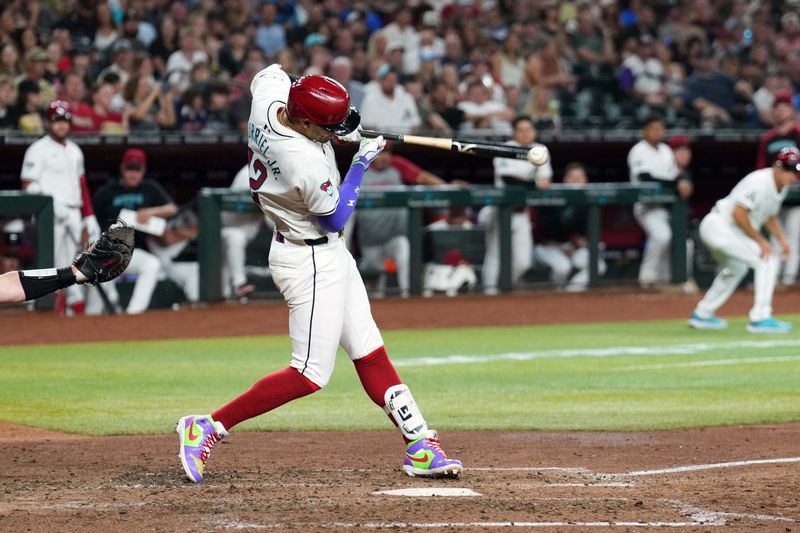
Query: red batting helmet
[[59, 110], [322, 101], [789, 158]]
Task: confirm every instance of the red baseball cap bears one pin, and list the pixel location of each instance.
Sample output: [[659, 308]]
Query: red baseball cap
[[782, 98], [679, 141], [134, 158]]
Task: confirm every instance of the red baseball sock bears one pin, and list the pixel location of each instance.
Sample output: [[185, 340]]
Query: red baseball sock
[[377, 374], [265, 395]]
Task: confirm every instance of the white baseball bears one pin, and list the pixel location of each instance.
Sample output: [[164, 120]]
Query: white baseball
[[538, 155]]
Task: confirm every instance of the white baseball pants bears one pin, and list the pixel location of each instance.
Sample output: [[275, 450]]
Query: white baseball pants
[[736, 253], [399, 249], [790, 222], [521, 247], [234, 246], [146, 267], [561, 265], [328, 305], [655, 221], [67, 232]]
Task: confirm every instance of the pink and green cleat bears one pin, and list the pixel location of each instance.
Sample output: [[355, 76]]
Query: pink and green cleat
[[425, 458], [198, 434]]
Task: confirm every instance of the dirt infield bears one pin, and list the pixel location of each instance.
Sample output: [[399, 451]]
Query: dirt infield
[[271, 317], [313, 481], [696, 480]]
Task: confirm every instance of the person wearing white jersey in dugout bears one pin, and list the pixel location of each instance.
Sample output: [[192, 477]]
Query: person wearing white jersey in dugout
[[512, 172], [294, 178], [53, 165], [651, 160], [732, 232]]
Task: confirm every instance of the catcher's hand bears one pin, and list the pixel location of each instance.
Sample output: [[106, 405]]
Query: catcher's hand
[[108, 257]]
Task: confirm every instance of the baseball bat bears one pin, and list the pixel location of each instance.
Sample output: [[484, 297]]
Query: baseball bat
[[464, 146]]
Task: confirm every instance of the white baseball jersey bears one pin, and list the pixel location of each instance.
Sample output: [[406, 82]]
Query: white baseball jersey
[[293, 177], [758, 193], [54, 169], [659, 162], [519, 168]]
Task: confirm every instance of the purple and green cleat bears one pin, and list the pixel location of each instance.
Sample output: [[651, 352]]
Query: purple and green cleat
[[425, 458], [198, 434]]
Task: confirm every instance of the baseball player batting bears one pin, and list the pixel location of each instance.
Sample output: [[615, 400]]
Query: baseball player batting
[[294, 178], [732, 231]]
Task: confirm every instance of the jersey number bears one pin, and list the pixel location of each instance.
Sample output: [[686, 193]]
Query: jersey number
[[260, 173]]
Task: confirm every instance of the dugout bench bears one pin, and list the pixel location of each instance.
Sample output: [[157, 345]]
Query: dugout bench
[[417, 198]]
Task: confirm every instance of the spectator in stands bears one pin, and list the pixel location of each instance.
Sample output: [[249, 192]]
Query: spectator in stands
[[27, 114], [764, 97], [6, 104], [401, 32], [544, 110], [674, 76], [104, 120], [180, 62], [431, 120], [645, 73], [512, 172], [651, 160], [165, 44], [480, 113], [148, 199], [786, 132], [383, 233], [122, 56], [508, 63], [562, 233], [593, 45], [388, 107], [74, 92], [192, 115], [233, 52], [713, 94], [115, 81], [35, 69], [10, 64], [106, 31], [549, 68], [220, 116], [151, 106], [342, 71], [271, 35]]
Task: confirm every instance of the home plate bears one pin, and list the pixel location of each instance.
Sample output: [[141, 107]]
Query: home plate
[[429, 491]]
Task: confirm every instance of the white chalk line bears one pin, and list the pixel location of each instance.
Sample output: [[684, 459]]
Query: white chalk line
[[232, 524], [612, 351], [716, 362], [719, 517], [710, 466]]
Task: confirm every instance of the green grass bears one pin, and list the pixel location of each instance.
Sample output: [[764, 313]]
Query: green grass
[[144, 387]]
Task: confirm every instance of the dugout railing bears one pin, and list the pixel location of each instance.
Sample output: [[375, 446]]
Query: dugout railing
[[418, 198], [40, 208]]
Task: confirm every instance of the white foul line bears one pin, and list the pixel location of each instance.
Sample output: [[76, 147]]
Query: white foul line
[[231, 524], [694, 468], [716, 362], [612, 351]]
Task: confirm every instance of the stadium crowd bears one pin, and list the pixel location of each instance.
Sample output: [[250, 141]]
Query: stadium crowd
[[464, 65]]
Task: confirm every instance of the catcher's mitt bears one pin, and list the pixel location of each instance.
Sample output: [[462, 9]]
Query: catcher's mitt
[[109, 256]]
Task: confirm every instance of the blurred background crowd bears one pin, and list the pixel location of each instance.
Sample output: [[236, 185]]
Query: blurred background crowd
[[439, 65]]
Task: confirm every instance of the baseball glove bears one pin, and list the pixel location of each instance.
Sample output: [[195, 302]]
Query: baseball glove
[[109, 256]]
